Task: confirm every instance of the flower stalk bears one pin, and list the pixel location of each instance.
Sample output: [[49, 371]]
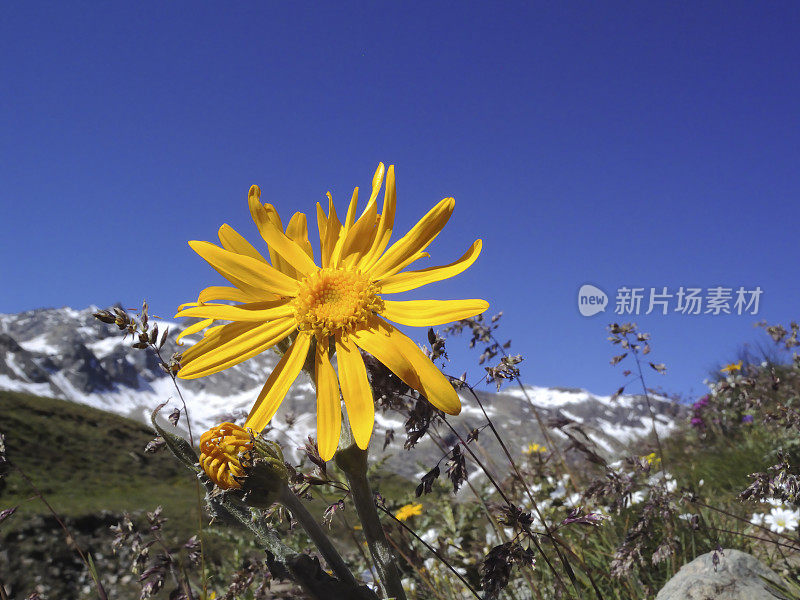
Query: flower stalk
[[307, 521], [353, 462]]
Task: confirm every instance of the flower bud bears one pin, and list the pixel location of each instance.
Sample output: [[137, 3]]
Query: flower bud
[[235, 459], [221, 449]]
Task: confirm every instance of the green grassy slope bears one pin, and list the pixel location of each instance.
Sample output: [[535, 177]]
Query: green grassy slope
[[86, 460]]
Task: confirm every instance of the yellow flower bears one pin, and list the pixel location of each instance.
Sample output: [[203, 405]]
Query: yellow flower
[[652, 459], [535, 449], [409, 510], [220, 448], [731, 368], [336, 307]]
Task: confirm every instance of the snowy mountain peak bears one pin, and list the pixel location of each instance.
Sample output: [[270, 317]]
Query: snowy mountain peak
[[69, 354]]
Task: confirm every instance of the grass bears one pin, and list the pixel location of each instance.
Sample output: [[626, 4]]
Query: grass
[[85, 461]]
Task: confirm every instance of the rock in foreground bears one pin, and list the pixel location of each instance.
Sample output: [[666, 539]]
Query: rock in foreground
[[737, 577]]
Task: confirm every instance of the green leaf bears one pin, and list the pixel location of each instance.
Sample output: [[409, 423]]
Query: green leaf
[[182, 449]]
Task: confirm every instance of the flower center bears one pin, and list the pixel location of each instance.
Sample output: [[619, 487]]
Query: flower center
[[334, 301]]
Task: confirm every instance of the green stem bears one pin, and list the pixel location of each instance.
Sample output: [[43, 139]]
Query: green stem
[[317, 535], [353, 461]]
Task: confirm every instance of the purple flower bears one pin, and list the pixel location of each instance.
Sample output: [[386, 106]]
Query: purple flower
[[747, 419], [698, 423]]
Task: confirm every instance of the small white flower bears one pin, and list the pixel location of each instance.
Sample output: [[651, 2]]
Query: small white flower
[[780, 519], [637, 497], [672, 485], [686, 516], [701, 482], [757, 519], [559, 492], [573, 500], [429, 536]]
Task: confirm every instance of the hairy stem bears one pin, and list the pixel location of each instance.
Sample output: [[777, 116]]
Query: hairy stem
[[317, 535], [353, 461]]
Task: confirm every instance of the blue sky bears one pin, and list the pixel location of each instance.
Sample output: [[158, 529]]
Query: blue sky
[[620, 144]]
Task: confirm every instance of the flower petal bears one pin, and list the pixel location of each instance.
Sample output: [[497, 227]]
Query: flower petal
[[232, 241], [329, 407], [297, 231], [385, 223], [278, 383], [356, 391], [252, 273], [333, 231], [261, 216], [409, 280], [232, 345], [277, 240], [221, 292], [192, 329], [424, 313], [257, 311], [416, 240], [404, 358]]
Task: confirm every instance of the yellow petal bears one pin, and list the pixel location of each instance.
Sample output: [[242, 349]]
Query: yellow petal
[[278, 383], [297, 231], [192, 329], [350, 218], [411, 259], [322, 228], [213, 330], [416, 240], [409, 280], [425, 313], [359, 237], [329, 408], [356, 236], [262, 217], [385, 224], [257, 311], [377, 179], [277, 240], [232, 241], [356, 391], [229, 352], [221, 292], [332, 234], [253, 273], [402, 356], [216, 336]]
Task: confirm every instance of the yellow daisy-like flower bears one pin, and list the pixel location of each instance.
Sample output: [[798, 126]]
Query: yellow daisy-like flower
[[535, 449], [652, 459], [409, 510], [220, 448], [732, 367], [334, 306]]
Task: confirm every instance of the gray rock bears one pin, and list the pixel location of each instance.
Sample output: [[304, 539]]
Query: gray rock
[[737, 577]]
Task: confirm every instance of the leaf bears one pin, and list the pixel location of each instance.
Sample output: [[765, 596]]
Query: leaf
[[661, 368], [182, 450]]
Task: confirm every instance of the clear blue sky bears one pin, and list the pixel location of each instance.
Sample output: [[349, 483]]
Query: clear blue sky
[[641, 144]]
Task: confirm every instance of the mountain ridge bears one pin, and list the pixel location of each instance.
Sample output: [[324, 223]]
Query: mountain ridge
[[68, 354]]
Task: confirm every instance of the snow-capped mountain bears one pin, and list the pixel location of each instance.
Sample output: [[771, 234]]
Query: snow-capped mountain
[[67, 353]]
